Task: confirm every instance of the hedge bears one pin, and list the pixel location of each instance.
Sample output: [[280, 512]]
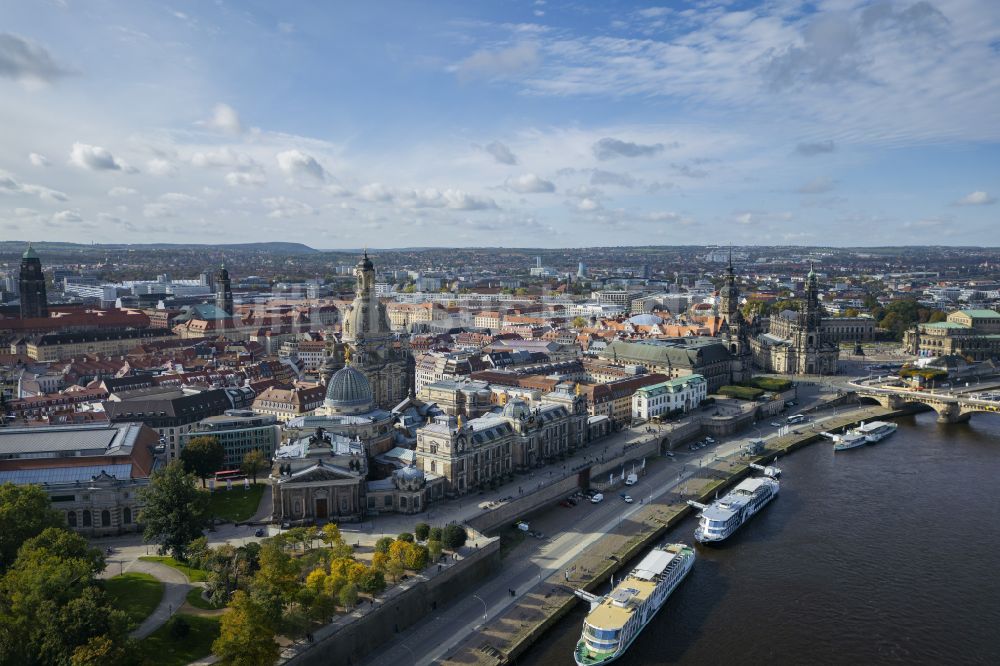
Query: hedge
[[741, 392], [770, 384]]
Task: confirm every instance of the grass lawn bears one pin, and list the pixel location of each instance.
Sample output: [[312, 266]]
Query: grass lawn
[[135, 593], [195, 599], [194, 575], [236, 505], [161, 649]]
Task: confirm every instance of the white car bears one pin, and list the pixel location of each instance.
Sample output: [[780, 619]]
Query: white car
[[628, 499], [597, 499]]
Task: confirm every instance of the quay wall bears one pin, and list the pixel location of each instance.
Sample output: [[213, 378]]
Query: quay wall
[[650, 525], [351, 642]]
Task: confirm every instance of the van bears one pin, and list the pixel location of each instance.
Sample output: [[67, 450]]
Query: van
[[631, 479], [597, 499]]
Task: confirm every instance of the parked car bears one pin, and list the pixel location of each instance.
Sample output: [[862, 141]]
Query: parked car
[[775, 424], [597, 498], [259, 532], [628, 499]]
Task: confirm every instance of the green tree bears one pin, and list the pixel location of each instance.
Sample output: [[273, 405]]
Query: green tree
[[434, 550], [579, 322], [421, 530], [174, 510], [53, 609], [937, 316], [203, 457], [25, 511], [434, 534], [246, 637], [348, 596], [453, 537], [405, 536], [382, 545], [253, 462]]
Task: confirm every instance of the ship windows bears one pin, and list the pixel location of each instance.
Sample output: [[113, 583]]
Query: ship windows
[[603, 634]]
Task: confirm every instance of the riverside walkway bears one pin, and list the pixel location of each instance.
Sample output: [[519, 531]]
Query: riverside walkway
[[512, 631]]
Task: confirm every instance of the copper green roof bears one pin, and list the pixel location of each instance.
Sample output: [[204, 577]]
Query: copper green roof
[[30, 253], [980, 314]]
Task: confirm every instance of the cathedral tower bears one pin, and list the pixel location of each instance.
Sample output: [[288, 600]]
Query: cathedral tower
[[223, 291]]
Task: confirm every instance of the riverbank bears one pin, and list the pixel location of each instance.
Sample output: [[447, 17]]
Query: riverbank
[[512, 632]]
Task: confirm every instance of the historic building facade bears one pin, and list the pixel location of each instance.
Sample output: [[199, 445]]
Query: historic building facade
[[972, 334], [369, 345], [799, 346]]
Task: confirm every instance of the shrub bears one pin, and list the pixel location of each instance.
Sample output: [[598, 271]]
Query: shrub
[[421, 530], [434, 550], [434, 534], [382, 545], [741, 392], [405, 536], [770, 384], [453, 537]]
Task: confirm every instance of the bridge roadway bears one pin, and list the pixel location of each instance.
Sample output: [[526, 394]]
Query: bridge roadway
[[951, 404], [570, 532]]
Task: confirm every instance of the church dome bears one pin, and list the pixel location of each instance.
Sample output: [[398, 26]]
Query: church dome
[[645, 320], [349, 391], [30, 253], [516, 409], [409, 478]]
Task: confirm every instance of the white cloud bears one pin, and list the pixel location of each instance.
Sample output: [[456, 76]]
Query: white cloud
[[284, 207], [28, 62], [10, 185], [817, 186], [434, 198], [501, 153], [122, 192], [67, 216], [95, 158], [529, 183], [38, 160], [375, 192], [161, 167], [977, 198], [587, 205], [225, 119], [158, 211], [245, 179], [225, 158], [609, 148], [498, 63], [181, 199], [297, 164]]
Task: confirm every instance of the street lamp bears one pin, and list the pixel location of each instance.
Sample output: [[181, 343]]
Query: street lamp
[[485, 611]]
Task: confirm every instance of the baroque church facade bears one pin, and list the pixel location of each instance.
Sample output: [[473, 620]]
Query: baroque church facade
[[795, 342], [369, 345], [736, 332]]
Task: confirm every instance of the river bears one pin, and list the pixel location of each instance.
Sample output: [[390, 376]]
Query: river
[[887, 554]]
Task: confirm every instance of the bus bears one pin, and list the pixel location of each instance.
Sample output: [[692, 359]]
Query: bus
[[233, 475], [796, 418]]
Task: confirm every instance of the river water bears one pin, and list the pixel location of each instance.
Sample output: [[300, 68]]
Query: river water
[[886, 554]]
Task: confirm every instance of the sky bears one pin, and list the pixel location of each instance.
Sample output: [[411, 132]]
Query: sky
[[518, 123]]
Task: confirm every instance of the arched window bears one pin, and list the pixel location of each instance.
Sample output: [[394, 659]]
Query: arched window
[[105, 518], [86, 518], [71, 518], [127, 516]]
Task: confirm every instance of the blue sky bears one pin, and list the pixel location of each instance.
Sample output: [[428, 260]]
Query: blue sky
[[529, 123]]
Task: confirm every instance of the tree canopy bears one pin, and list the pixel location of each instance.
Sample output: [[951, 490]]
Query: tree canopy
[[25, 511], [246, 634], [253, 462], [174, 510], [203, 457]]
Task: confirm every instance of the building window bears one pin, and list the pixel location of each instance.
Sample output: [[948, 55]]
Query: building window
[[71, 518], [127, 516], [86, 518], [105, 518]]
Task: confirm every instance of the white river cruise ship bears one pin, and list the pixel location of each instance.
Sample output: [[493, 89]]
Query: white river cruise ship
[[724, 516], [617, 618], [876, 431]]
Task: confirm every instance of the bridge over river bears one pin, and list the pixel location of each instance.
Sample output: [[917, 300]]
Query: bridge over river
[[953, 405]]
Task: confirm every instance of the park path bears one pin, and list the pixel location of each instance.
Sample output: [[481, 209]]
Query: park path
[[175, 589]]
